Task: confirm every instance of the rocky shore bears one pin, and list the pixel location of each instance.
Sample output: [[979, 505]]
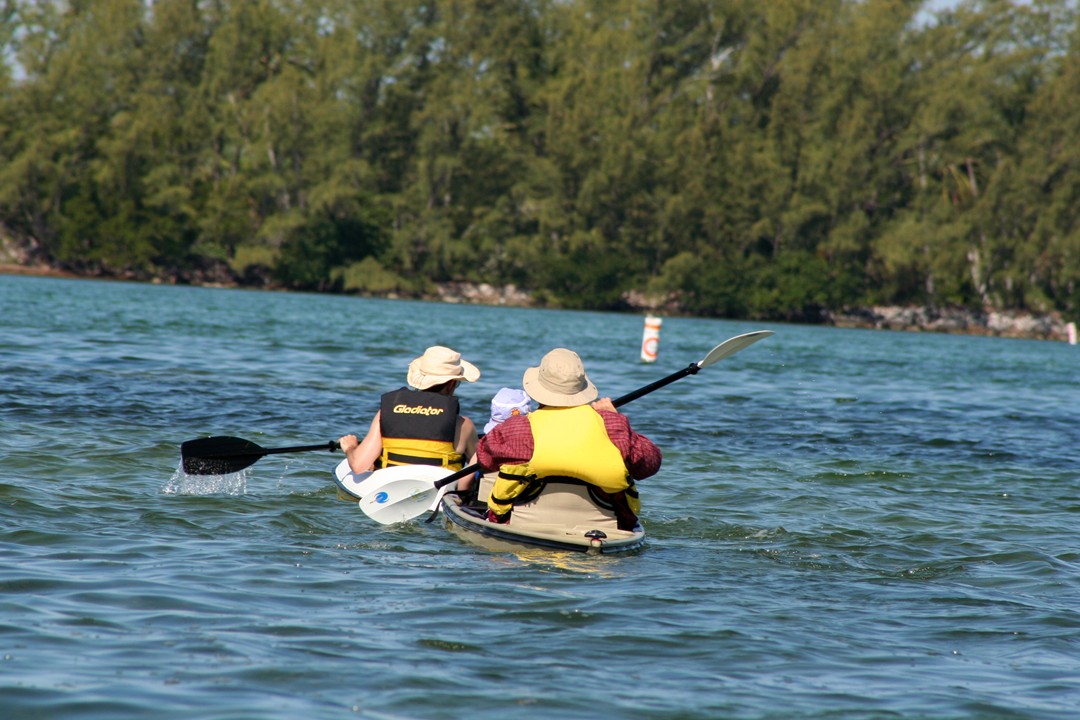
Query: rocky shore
[[961, 321], [955, 320]]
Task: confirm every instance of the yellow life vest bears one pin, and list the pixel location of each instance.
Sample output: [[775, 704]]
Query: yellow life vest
[[572, 442], [567, 442]]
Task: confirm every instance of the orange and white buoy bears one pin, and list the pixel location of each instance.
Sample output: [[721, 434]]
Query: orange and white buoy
[[650, 342], [1071, 330]]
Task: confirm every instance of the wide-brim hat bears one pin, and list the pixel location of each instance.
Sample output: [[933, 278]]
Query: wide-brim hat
[[560, 380], [439, 365], [507, 403]]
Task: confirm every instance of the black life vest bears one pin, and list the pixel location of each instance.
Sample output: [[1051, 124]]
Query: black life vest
[[418, 428]]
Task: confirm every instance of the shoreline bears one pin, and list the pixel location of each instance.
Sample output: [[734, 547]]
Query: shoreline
[[949, 321], [37, 270]]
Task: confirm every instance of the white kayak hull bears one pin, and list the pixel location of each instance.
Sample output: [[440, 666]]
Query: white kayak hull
[[356, 486]]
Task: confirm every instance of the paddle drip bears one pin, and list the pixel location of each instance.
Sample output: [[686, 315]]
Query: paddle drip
[[182, 483]]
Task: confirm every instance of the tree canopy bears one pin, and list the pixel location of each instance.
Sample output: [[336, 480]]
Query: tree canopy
[[766, 160]]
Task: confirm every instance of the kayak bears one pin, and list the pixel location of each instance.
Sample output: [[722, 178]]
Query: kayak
[[563, 517], [348, 482]]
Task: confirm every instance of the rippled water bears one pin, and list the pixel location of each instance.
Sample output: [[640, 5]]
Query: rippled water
[[848, 524]]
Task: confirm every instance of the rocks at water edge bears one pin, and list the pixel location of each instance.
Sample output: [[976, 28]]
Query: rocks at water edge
[[961, 321]]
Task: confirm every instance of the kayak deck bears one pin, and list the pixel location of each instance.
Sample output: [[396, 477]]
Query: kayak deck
[[562, 518]]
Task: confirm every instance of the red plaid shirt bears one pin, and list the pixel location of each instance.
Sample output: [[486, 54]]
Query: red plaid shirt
[[511, 443]]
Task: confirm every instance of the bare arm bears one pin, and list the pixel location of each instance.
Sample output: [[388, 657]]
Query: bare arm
[[465, 443], [362, 454], [465, 439]]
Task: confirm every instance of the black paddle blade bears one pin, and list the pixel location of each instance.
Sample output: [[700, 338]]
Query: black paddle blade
[[218, 455]]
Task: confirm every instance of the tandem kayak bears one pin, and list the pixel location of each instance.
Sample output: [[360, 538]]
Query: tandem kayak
[[563, 517]]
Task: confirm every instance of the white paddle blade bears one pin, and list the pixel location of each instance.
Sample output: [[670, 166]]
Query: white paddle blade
[[439, 496], [359, 485], [400, 501], [733, 345]]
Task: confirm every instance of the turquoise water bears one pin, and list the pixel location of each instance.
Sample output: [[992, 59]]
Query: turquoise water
[[848, 524]]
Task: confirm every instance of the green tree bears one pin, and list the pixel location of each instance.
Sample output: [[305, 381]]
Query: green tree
[[977, 70], [61, 185], [1031, 208], [752, 159]]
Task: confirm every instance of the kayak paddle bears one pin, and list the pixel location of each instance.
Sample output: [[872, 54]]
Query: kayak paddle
[[223, 454], [401, 499]]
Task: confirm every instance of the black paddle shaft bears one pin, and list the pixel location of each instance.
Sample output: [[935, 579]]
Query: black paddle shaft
[[691, 370]]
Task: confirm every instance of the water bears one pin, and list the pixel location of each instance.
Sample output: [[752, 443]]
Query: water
[[848, 524]]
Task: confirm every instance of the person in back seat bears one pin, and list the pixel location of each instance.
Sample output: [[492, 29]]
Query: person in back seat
[[571, 435]]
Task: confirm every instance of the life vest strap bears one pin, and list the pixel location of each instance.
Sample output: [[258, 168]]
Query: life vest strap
[[535, 486], [402, 459]]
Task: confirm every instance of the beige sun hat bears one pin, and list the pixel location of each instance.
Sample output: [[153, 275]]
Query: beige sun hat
[[438, 365], [560, 380]]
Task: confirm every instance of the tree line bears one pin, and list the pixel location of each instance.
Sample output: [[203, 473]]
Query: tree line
[[745, 158]]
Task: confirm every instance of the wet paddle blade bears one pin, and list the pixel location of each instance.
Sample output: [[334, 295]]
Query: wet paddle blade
[[218, 455], [399, 501], [733, 345], [224, 454], [360, 485]]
